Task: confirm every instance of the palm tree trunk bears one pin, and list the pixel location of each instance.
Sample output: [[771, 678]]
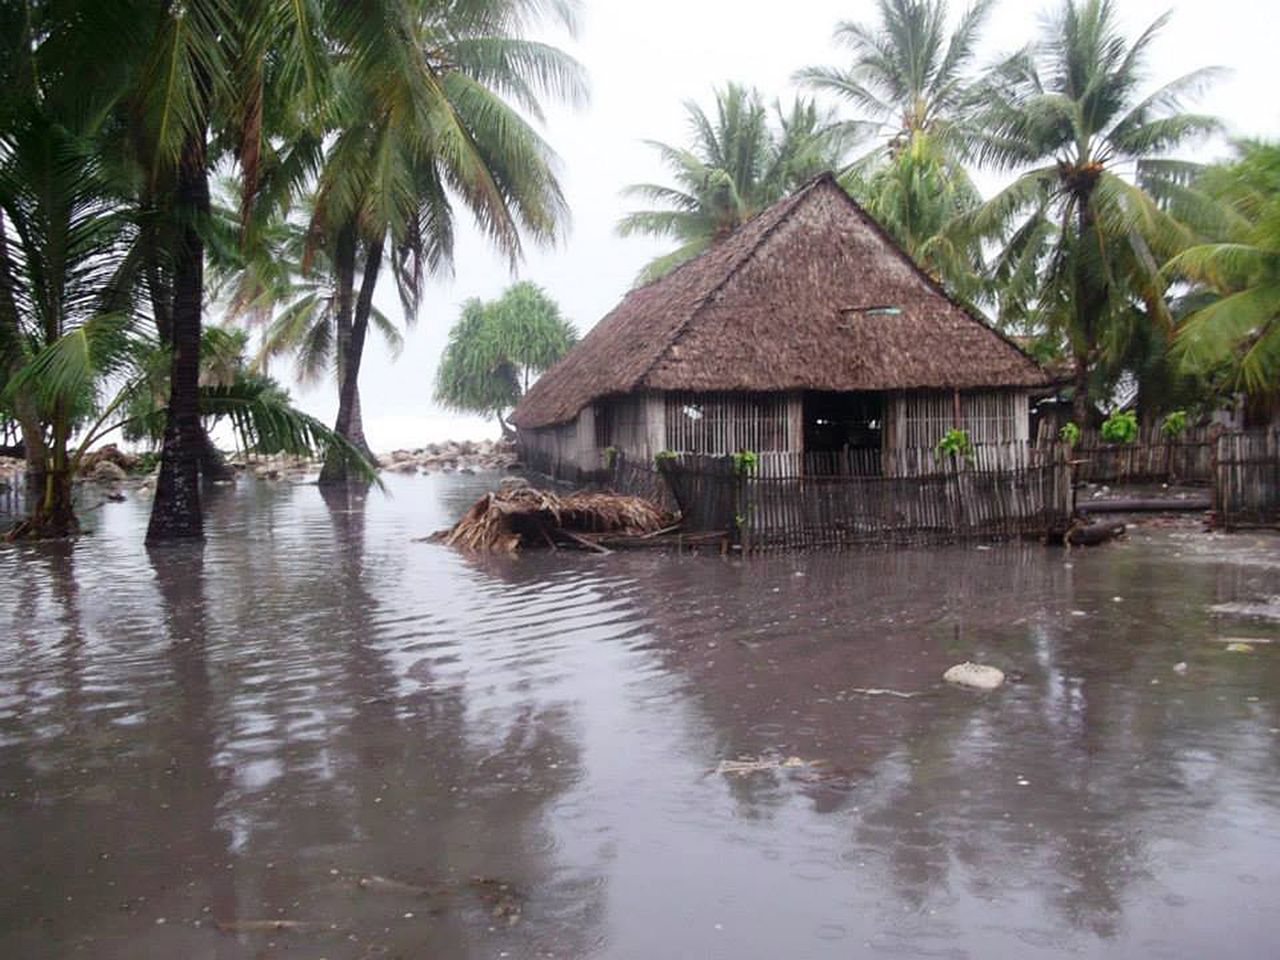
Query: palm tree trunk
[[176, 513], [213, 465], [356, 432], [1080, 399], [51, 491], [1090, 307], [335, 465]]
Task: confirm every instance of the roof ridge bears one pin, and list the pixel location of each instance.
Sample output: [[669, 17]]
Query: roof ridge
[[791, 202]]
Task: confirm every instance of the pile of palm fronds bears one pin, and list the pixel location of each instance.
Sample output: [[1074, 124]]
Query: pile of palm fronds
[[525, 517]]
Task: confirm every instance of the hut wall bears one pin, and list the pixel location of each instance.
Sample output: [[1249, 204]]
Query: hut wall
[[565, 451], [921, 419], [723, 423], [624, 424]]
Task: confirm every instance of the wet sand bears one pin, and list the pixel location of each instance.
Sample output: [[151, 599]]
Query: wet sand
[[315, 737]]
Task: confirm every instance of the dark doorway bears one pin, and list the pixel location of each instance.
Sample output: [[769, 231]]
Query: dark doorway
[[843, 433]]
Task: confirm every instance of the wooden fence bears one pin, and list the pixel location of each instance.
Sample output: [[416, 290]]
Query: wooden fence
[[1001, 491], [1152, 457], [768, 511], [1246, 490]]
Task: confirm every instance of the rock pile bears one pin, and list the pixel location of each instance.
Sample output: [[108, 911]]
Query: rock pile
[[108, 464], [465, 457]]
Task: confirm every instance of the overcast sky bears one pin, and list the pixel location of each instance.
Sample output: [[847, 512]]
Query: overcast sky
[[646, 59]]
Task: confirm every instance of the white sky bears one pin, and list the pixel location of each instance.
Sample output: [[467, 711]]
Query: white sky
[[644, 60]]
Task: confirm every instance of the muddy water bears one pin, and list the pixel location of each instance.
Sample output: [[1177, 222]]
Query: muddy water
[[402, 752]]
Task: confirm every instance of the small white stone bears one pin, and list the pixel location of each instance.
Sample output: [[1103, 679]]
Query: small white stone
[[975, 675], [1180, 667]]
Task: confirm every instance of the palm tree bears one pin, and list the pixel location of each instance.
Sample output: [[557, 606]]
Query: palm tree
[[1084, 231], [495, 349], [209, 79], [432, 115], [67, 276], [737, 164], [910, 84], [1238, 330], [268, 278]]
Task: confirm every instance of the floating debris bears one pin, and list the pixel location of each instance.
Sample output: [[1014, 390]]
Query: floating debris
[[526, 517], [376, 884], [882, 692], [746, 765], [1239, 648], [503, 900]]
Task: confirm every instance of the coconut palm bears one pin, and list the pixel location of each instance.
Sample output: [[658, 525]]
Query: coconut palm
[[270, 279], [1083, 231], [736, 165], [1238, 330], [909, 83], [433, 116], [105, 173], [496, 348], [67, 276], [209, 80]]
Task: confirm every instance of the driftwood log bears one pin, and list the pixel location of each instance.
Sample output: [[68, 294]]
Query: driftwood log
[[1092, 534]]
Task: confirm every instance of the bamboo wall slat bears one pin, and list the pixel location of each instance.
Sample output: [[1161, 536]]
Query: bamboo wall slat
[[1247, 479]]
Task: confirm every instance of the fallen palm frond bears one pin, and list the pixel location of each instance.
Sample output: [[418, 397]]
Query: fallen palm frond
[[526, 517]]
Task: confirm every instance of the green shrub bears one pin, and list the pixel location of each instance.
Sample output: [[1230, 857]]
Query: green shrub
[[956, 443], [745, 462], [1175, 424], [1069, 434], [1120, 427]]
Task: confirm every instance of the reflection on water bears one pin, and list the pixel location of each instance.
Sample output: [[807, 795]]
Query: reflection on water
[[402, 751]]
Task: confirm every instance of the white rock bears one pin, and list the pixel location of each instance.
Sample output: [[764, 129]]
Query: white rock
[[1180, 667], [975, 675]]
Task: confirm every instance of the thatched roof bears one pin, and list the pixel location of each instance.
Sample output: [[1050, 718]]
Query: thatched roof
[[811, 295]]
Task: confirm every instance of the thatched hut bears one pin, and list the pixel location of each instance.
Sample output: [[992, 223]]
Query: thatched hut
[[807, 331]]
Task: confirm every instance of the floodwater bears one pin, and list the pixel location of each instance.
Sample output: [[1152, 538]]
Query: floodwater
[[401, 751]]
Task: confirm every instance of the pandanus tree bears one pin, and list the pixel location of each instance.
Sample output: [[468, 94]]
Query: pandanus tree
[[1084, 227], [496, 348], [740, 160], [1237, 331], [430, 112], [910, 83]]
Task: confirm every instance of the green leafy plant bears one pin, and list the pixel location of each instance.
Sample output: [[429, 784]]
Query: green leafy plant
[[1120, 427], [745, 462], [610, 457], [1175, 424], [1069, 434], [664, 457], [955, 443]]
